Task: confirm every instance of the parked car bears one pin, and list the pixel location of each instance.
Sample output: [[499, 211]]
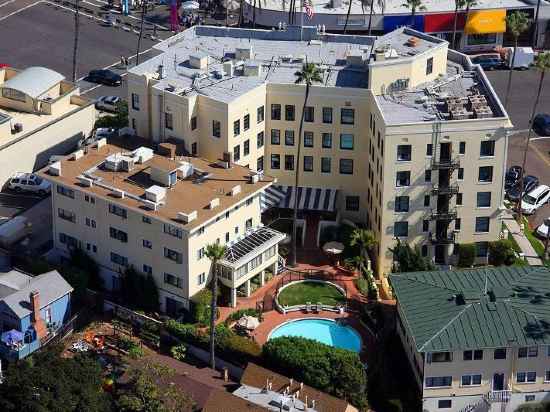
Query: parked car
[[488, 61], [536, 198], [104, 76], [541, 124], [108, 103], [525, 56], [512, 177], [28, 182], [529, 183], [542, 230]]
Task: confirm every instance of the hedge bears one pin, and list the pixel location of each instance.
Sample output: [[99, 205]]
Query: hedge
[[466, 255], [200, 307]]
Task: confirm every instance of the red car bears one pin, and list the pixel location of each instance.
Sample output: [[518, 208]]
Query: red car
[[2, 65]]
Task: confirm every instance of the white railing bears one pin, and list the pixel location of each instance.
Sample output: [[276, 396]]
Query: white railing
[[499, 396]]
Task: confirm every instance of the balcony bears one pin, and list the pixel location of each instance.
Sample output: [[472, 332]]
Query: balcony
[[443, 214], [499, 396], [450, 190], [446, 163], [442, 238]]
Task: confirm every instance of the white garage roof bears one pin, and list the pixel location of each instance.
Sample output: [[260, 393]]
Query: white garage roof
[[34, 81]]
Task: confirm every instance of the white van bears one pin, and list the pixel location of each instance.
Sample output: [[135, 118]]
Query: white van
[[525, 56]]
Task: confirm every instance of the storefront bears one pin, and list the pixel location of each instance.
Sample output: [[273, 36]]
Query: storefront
[[484, 30]]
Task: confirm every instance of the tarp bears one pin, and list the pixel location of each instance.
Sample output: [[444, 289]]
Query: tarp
[[486, 21], [443, 22], [393, 22], [12, 336]]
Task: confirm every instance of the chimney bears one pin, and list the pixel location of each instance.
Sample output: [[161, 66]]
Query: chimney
[[37, 322]]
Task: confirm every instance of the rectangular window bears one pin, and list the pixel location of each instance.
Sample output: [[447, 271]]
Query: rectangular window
[[275, 161], [309, 114], [118, 259], [90, 222], [65, 191], [327, 140], [462, 148], [346, 166], [459, 199], [201, 278], [148, 270], [426, 200], [146, 219], [404, 152], [458, 222], [547, 376], [325, 164], [246, 122], [216, 128], [173, 280], [402, 203], [499, 353], [352, 203], [438, 357], [473, 354], [470, 380], [403, 179], [428, 176], [260, 114], [66, 215], [528, 352], [237, 153], [308, 163], [347, 116], [482, 224], [444, 404], [260, 140], [70, 241], [118, 235], [147, 244], [260, 163], [173, 255], [173, 231], [246, 148], [275, 112], [425, 225], [289, 137], [237, 127], [89, 199], [327, 115], [526, 377], [200, 253], [429, 66], [346, 141], [460, 173], [275, 136], [401, 229], [135, 101], [194, 123], [438, 381], [308, 139], [169, 121], [289, 162], [429, 149], [487, 148], [117, 210], [248, 224], [483, 199], [486, 174], [289, 113]]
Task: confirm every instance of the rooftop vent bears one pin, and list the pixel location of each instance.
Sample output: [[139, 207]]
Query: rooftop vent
[[155, 193], [235, 190], [252, 69], [77, 155], [356, 58], [244, 53], [84, 181], [214, 203], [186, 169], [412, 42], [100, 143], [228, 68], [55, 169], [187, 217], [198, 61], [255, 178], [118, 193]]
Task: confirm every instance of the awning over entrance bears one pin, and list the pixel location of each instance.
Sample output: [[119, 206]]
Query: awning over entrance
[[486, 21], [271, 197], [309, 198]]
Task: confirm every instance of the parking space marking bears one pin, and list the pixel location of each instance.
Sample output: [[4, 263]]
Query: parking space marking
[[6, 3], [20, 10]]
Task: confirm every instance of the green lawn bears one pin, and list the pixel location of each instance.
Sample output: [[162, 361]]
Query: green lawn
[[314, 292], [535, 242]]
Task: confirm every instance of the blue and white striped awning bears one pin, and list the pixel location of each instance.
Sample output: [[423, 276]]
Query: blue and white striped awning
[[271, 197], [309, 198]]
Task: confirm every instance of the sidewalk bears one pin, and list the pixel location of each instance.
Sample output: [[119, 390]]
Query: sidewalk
[[531, 256]]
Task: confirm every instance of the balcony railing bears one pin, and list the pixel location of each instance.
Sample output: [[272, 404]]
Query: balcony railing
[[499, 396], [442, 238], [445, 190], [443, 214], [446, 163]]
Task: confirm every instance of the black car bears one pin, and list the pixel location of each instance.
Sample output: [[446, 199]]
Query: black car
[[104, 76], [512, 177], [541, 124], [529, 183]]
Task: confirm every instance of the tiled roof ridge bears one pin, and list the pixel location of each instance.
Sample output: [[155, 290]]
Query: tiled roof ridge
[[449, 323]]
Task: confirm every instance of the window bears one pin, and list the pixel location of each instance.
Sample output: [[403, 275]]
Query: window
[[352, 203], [487, 148], [70, 241], [168, 121], [146, 219], [118, 259], [547, 376], [275, 112], [193, 122], [289, 162], [428, 176], [486, 174], [470, 380], [200, 253], [460, 173], [246, 122], [499, 353], [173, 280], [526, 377], [482, 224], [236, 229], [346, 166], [528, 352], [347, 116], [275, 161], [402, 203], [246, 147], [148, 270], [173, 231], [289, 113], [289, 137], [425, 225], [429, 66], [201, 278], [260, 140], [249, 201], [216, 128], [403, 179], [66, 215], [308, 139], [236, 153], [401, 229], [325, 164], [173, 255], [65, 191], [227, 238], [404, 152], [438, 381], [135, 101], [118, 235], [473, 354], [327, 115], [13, 94], [260, 163], [429, 149], [462, 148], [275, 136], [260, 114], [529, 398], [483, 199], [308, 163], [237, 127], [147, 244], [309, 114], [248, 224], [479, 39], [117, 210], [437, 357], [346, 141], [327, 140], [458, 223], [90, 222], [89, 199]]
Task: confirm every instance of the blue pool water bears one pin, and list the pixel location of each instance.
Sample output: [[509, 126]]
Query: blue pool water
[[322, 330]]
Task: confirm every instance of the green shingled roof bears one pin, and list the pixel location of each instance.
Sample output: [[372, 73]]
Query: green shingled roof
[[477, 308]]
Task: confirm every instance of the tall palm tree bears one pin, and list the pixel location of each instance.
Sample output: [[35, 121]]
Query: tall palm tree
[[517, 22], [542, 63], [382, 5], [76, 31], [460, 5], [414, 6], [215, 253], [309, 74]]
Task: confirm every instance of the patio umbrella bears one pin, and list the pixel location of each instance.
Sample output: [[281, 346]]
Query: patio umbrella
[[12, 336], [190, 6], [334, 248], [248, 322]]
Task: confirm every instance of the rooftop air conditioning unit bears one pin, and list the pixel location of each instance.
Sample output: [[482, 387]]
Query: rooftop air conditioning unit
[[214, 203], [223, 164], [186, 169], [255, 178], [55, 169], [118, 193], [244, 53], [235, 190], [187, 217], [155, 193], [85, 181], [142, 154], [101, 142], [149, 204], [77, 155]]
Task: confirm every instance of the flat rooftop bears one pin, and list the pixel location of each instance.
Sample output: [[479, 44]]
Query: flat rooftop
[[193, 191]]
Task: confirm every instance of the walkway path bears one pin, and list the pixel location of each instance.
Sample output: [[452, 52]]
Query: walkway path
[[530, 254]]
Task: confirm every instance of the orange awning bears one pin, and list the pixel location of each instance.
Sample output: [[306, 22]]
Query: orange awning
[[486, 21]]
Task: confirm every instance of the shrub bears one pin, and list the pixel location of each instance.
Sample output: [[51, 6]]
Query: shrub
[[200, 307], [362, 285], [466, 254], [332, 370], [135, 352], [408, 259], [243, 312], [501, 252], [118, 121], [178, 352]]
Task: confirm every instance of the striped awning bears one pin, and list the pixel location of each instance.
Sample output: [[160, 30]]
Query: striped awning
[[271, 197], [309, 198]]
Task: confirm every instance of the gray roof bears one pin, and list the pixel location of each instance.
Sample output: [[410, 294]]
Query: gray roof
[[50, 285], [34, 81], [12, 281], [475, 308]]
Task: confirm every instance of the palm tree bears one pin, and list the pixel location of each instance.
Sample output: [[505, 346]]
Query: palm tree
[[364, 239], [517, 23], [414, 6], [460, 5], [382, 5], [542, 63], [76, 31], [215, 253], [309, 74]]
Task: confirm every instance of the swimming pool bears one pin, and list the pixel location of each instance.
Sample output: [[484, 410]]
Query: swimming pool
[[325, 331]]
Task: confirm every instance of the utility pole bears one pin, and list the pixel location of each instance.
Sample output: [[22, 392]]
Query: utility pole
[[143, 11], [76, 31]]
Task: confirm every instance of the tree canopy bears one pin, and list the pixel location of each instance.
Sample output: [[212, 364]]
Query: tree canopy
[[407, 259]]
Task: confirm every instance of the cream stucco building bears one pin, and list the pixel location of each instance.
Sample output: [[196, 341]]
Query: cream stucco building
[[41, 114], [402, 134]]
